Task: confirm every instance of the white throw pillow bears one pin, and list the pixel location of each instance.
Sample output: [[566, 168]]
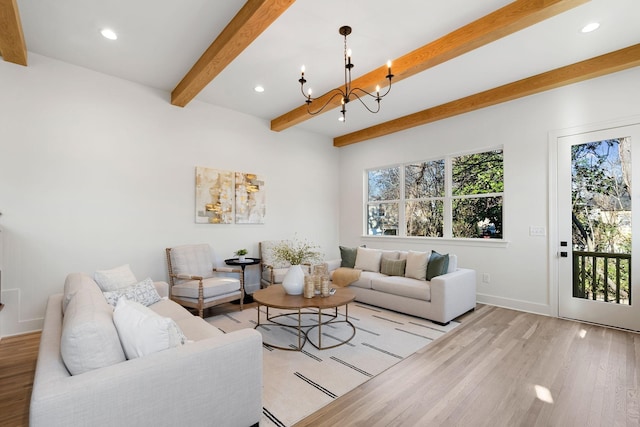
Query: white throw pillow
[[144, 293], [142, 331], [368, 259], [115, 278], [417, 265]]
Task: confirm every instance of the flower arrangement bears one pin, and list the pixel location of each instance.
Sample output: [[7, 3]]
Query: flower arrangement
[[297, 252], [241, 252]]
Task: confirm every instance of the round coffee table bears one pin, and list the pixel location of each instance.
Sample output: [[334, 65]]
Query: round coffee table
[[275, 297]]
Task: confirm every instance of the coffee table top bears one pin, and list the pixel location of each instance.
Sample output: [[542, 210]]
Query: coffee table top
[[275, 296]]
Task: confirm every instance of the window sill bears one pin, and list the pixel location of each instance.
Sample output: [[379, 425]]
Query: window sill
[[487, 243]]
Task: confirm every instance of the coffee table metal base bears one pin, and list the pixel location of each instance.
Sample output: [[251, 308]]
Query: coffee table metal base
[[304, 329]]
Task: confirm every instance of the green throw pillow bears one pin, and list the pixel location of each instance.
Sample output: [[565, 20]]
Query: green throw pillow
[[393, 267], [348, 256], [438, 265]]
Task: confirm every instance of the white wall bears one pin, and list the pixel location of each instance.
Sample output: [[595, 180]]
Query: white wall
[[519, 270], [96, 172]]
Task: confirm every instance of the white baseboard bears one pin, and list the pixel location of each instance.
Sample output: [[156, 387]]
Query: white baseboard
[[529, 307], [10, 321]]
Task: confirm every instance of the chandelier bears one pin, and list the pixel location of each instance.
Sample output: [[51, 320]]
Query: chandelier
[[347, 93]]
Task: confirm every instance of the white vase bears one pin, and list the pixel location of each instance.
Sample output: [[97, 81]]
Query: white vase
[[242, 258], [293, 282]]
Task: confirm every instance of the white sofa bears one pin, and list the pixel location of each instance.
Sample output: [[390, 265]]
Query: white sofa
[[213, 379], [441, 299]]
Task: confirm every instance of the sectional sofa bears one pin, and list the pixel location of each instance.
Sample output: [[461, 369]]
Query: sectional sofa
[[89, 372], [422, 284]]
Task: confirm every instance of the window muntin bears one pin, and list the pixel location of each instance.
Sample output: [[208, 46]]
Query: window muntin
[[458, 196]]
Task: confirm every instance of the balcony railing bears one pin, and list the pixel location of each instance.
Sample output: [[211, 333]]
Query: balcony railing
[[602, 276]]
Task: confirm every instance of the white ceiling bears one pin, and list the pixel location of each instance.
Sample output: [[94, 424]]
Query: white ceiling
[[159, 41]]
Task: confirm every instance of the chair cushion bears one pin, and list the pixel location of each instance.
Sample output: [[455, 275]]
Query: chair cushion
[[115, 278], [267, 256], [142, 331], [194, 260], [278, 274], [212, 287]]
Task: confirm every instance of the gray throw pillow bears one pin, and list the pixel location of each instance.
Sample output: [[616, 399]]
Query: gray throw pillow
[[393, 267], [438, 265], [348, 256]]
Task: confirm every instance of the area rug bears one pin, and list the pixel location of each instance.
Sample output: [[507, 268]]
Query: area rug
[[298, 383]]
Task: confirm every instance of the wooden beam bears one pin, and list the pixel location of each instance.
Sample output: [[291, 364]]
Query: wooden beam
[[254, 17], [502, 22], [595, 67], [12, 45]]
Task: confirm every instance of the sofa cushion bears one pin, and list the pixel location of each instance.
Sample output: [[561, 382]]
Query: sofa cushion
[[196, 328], [365, 279], [89, 338], [169, 308], [73, 283], [403, 286], [348, 256], [390, 254], [417, 265], [144, 292], [438, 265], [115, 278], [392, 267], [142, 331], [212, 287], [368, 259]]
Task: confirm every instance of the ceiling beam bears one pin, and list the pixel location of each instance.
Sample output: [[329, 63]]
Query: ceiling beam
[[500, 23], [12, 45], [254, 17], [595, 67]]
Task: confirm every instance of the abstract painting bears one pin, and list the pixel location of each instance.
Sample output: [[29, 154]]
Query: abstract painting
[[214, 196], [250, 199]]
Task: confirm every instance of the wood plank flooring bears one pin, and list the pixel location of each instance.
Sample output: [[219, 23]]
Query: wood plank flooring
[[499, 368], [503, 368]]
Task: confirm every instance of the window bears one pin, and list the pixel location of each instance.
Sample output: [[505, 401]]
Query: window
[[458, 196]]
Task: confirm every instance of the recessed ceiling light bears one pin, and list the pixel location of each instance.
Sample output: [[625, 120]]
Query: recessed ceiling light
[[108, 33], [259, 89], [590, 27]]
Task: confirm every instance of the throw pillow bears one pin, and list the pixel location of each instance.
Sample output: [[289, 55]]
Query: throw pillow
[[392, 267], [368, 259], [115, 278], [144, 293], [348, 256], [417, 265], [438, 265], [142, 331]]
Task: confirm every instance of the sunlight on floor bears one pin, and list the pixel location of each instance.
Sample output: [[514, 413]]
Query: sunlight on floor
[[543, 394]]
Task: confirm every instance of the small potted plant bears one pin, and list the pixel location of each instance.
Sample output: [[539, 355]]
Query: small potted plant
[[241, 253]]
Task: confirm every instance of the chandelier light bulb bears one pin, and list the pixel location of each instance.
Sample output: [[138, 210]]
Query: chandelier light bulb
[[302, 69]]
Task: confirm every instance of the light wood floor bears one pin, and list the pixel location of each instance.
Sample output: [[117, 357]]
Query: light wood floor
[[499, 368]]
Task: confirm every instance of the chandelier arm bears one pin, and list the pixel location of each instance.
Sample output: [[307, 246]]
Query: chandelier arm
[[338, 92], [363, 103]]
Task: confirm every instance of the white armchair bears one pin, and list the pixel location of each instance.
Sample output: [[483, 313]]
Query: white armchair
[[194, 282], [271, 271]]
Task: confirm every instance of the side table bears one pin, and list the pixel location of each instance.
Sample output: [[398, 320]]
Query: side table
[[243, 264]]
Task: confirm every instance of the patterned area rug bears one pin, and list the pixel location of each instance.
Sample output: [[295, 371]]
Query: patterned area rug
[[298, 383]]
